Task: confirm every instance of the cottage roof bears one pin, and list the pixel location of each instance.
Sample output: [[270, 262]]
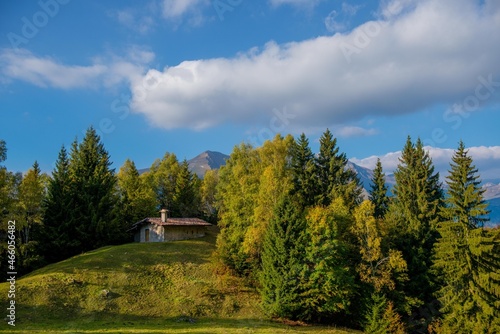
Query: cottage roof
[[172, 222]]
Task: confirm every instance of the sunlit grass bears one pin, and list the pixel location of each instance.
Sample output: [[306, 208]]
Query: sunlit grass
[[140, 288]]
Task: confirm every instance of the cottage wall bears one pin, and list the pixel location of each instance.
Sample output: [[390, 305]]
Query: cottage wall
[[156, 233], [173, 233]]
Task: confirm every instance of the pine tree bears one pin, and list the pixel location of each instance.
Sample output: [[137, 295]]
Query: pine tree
[[283, 261], [305, 184], [466, 255], [413, 217], [335, 178], [186, 196], [93, 191], [3, 151], [378, 191], [58, 237]]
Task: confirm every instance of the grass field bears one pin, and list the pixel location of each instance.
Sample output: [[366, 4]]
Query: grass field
[[141, 288]]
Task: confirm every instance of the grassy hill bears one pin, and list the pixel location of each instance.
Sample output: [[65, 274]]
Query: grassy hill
[[140, 288]]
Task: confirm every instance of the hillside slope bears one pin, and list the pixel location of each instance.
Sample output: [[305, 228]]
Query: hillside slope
[[133, 281]]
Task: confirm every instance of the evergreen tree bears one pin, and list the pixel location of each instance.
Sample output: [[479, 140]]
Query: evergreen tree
[[413, 217], [466, 255], [334, 177], [305, 184], [58, 238], [93, 193], [378, 191], [186, 196], [3, 151], [283, 261]]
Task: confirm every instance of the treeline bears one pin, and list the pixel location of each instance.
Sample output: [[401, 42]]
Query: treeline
[[294, 224], [84, 204]]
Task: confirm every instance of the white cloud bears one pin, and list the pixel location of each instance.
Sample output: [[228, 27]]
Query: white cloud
[[431, 55], [46, 72], [178, 10], [340, 21], [23, 65], [354, 131], [392, 8], [486, 159]]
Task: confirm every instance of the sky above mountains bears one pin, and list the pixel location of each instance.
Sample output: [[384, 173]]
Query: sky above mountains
[[185, 76]]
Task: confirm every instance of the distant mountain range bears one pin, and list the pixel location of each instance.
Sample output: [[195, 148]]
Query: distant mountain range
[[214, 160]]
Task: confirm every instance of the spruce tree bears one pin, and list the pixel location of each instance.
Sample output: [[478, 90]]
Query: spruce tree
[[282, 261], [93, 192], [413, 217], [334, 177], [186, 196], [58, 237], [305, 184], [378, 191], [467, 255]]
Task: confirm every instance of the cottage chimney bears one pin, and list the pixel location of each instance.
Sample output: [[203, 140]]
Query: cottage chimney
[[163, 215]]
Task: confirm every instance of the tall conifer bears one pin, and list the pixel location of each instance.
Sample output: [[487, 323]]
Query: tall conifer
[[93, 192], [58, 237], [413, 217], [378, 191], [283, 260], [334, 177], [467, 255], [305, 184]]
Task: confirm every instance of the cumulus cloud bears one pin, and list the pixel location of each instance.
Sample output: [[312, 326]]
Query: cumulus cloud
[[20, 64], [431, 54], [486, 159]]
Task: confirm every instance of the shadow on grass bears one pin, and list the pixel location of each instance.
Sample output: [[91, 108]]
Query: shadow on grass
[[72, 321]]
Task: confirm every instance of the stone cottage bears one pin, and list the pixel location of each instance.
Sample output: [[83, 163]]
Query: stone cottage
[[165, 228]]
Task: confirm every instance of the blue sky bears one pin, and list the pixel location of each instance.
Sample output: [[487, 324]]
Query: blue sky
[[185, 76]]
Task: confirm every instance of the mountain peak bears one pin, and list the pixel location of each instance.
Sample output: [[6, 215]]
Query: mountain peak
[[207, 160]]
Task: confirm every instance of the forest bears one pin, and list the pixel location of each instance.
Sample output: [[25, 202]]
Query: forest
[[295, 224]]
